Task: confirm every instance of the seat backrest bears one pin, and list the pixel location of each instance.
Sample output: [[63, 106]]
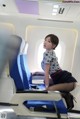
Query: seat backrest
[[15, 70], [16, 74], [27, 77]]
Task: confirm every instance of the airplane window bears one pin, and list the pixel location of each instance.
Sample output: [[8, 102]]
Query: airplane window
[[41, 50]]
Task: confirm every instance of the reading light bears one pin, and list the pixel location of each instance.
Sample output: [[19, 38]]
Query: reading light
[[54, 13], [55, 9], [56, 6]]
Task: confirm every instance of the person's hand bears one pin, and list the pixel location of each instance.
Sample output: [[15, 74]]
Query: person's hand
[[49, 88]]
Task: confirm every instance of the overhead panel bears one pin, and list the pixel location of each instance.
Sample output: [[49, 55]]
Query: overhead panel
[[63, 10], [71, 1], [8, 7], [43, 9], [46, 9], [74, 11], [27, 7]]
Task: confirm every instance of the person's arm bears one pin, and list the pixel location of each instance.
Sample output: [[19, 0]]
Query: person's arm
[[47, 67]]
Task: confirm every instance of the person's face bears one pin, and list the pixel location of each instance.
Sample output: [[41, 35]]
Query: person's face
[[48, 45]]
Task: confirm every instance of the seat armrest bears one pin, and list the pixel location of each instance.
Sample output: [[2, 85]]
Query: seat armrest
[[33, 91]]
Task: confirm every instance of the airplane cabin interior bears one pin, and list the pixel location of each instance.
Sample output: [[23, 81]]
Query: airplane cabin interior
[[27, 22]]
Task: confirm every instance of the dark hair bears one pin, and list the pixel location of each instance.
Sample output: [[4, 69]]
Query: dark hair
[[54, 39]]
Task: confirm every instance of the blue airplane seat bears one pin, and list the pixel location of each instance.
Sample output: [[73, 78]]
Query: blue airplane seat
[[32, 98], [23, 83], [27, 75], [24, 66], [16, 74], [46, 106], [36, 104]]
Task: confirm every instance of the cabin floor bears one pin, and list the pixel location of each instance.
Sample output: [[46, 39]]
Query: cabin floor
[[8, 113]]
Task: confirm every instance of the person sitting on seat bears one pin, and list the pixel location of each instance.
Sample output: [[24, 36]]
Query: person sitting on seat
[[62, 80]]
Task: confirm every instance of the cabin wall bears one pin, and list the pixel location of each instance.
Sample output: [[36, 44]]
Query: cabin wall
[[76, 62], [38, 33]]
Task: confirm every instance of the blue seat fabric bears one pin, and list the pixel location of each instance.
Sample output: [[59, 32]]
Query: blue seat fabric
[[22, 79], [49, 105]]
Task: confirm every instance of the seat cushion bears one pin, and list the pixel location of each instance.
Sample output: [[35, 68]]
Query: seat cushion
[[46, 106]]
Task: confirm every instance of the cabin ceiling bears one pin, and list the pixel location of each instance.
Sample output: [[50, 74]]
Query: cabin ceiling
[[42, 9]]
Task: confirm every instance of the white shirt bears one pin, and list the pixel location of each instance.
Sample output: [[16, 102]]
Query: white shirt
[[49, 57]]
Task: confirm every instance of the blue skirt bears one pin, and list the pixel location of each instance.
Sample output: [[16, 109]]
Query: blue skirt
[[62, 77]]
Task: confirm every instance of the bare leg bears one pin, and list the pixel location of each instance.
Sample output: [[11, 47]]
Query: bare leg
[[62, 87]]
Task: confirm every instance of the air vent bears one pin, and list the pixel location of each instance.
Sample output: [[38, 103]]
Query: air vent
[[61, 10], [45, 19], [71, 1]]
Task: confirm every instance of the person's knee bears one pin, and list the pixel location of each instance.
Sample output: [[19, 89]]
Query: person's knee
[[72, 86]]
